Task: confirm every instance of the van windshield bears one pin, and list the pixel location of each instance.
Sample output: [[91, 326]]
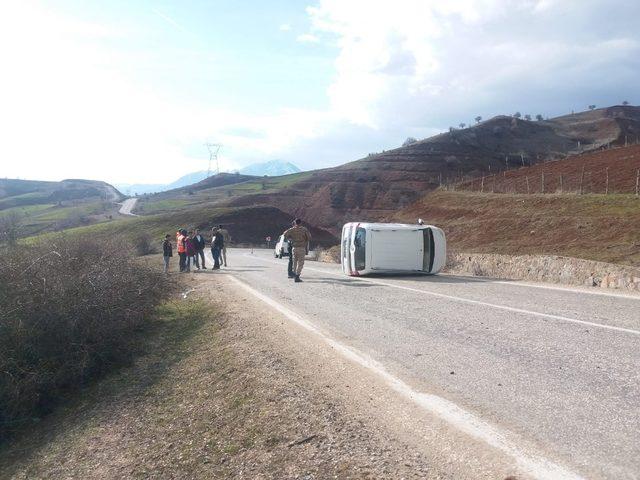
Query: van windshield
[[360, 243], [428, 248]]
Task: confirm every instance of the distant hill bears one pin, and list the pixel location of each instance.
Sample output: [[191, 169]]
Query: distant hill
[[142, 188], [15, 192], [274, 168], [44, 206]]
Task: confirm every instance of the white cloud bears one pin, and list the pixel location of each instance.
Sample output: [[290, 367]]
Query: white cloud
[[422, 62], [69, 109], [307, 38], [285, 27], [407, 68]]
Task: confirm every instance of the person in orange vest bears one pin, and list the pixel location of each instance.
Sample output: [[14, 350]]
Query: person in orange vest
[[181, 237]]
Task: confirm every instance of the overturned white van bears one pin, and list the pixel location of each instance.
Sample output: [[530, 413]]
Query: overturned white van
[[392, 248]]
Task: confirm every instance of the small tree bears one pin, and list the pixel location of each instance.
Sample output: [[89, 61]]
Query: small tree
[[452, 129], [462, 125], [527, 117], [625, 103], [517, 115], [478, 119], [539, 117], [592, 107], [409, 141]]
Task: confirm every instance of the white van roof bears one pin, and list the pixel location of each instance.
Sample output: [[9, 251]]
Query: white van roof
[[391, 226]]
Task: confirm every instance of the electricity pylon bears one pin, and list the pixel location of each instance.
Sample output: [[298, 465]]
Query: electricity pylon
[[214, 148]]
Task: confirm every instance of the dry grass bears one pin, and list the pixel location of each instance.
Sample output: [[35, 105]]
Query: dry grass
[[594, 227], [69, 308]]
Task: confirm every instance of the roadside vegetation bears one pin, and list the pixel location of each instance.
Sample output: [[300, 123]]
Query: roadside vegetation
[[70, 307]]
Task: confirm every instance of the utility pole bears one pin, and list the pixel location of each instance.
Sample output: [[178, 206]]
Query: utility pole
[[213, 148]]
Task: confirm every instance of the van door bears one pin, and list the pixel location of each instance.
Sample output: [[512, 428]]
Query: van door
[[396, 250]]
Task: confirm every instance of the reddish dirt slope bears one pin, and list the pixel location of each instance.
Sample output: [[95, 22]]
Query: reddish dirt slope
[[597, 227], [620, 165]]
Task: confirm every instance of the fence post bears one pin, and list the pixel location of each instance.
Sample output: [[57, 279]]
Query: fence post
[[637, 182], [493, 187], [582, 181], [561, 184], [440, 178], [527, 180], [482, 185], [606, 185], [542, 182]]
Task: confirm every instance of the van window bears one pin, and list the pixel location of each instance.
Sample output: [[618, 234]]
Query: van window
[[360, 243]]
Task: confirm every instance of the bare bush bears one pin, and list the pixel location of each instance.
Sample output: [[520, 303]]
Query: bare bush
[[10, 228], [68, 311], [144, 245]]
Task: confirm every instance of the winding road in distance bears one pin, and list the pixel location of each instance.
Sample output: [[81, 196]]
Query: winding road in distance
[[548, 375], [127, 207]]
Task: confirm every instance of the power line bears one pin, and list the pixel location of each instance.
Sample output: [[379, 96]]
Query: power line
[[214, 149]]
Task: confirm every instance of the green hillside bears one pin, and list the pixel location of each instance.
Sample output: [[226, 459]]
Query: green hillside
[[33, 207]]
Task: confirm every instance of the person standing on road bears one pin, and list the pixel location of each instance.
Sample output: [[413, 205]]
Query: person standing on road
[[290, 272], [226, 238], [217, 244], [190, 251], [199, 244], [167, 252], [300, 238], [181, 236]]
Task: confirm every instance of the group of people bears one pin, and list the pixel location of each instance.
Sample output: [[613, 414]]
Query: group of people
[[190, 246]]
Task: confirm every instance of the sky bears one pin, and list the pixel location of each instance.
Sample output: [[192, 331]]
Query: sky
[[130, 92]]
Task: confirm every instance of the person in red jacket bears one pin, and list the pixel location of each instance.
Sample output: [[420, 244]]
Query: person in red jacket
[[181, 237]]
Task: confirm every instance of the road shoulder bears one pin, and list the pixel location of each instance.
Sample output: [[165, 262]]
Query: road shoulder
[[243, 394]]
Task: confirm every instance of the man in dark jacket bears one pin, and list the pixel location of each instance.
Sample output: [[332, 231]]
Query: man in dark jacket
[[167, 252], [217, 244], [199, 244]]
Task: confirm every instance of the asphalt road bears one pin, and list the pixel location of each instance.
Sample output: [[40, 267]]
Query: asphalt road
[[127, 207], [554, 368]]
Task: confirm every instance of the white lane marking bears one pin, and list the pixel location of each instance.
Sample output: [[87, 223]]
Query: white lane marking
[[469, 423], [478, 302], [518, 283]]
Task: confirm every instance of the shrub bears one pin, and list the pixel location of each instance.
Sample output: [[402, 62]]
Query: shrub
[[144, 245], [68, 309]]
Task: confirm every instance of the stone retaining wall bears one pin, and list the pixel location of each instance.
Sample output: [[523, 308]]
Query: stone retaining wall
[[540, 268], [545, 268]]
